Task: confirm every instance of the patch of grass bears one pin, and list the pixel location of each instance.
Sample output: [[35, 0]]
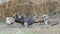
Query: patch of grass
[[2, 32], [28, 33], [2, 21]]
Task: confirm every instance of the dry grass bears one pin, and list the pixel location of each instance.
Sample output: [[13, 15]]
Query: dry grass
[[29, 7]]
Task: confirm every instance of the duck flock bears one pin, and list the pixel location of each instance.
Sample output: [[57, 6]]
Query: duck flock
[[26, 21]]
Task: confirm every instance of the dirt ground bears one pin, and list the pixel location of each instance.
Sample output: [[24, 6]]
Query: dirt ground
[[34, 29]]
